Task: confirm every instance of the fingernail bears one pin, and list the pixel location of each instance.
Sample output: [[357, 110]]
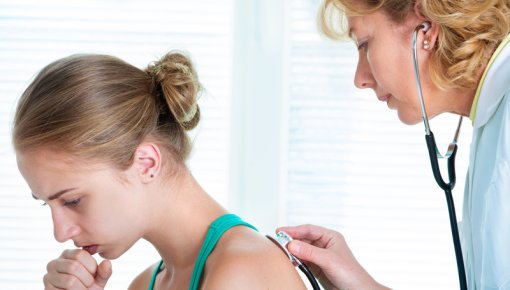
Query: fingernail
[[294, 248]]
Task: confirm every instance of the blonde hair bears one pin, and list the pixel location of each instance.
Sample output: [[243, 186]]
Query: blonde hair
[[469, 31], [100, 107]]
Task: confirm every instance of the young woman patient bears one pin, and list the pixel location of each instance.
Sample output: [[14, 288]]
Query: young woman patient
[[103, 144]]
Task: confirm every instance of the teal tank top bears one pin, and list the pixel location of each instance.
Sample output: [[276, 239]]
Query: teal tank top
[[216, 230]]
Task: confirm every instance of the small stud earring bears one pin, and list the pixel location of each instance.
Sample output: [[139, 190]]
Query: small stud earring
[[426, 44], [152, 175]]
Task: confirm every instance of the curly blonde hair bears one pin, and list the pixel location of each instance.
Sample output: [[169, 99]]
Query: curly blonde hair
[[469, 31]]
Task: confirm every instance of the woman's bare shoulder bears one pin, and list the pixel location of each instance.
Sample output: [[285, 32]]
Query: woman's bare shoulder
[[250, 262], [141, 282]]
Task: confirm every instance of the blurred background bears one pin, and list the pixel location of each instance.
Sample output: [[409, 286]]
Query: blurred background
[[285, 137]]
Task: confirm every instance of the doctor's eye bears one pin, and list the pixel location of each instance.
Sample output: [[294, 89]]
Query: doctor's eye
[[44, 204], [72, 203]]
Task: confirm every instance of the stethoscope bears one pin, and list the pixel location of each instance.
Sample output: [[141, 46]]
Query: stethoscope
[[281, 240], [434, 155]]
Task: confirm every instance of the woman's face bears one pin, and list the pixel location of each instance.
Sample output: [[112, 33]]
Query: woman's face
[[385, 63], [94, 205]]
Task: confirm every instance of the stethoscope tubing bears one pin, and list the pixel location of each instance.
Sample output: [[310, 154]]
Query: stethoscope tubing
[[434, 155], [309, 276]]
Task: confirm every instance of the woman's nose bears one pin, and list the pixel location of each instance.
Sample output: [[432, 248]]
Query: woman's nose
[[363, 79], [64, 228]]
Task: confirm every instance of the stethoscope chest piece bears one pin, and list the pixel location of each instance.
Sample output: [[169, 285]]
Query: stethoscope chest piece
[[282, 239]]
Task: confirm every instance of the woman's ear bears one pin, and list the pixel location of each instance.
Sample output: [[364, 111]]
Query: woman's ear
[[147, 160]]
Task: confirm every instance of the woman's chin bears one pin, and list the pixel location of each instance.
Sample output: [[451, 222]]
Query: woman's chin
[[109, 255]]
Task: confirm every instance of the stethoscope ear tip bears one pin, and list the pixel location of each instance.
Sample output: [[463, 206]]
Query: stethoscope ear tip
[[425, 26]]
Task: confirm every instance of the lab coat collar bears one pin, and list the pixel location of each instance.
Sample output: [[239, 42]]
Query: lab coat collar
[[493, 87]]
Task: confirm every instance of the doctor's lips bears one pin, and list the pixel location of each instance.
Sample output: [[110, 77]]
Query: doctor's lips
[[91, 249]]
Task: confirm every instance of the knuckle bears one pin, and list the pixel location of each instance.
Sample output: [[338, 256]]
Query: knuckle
[[78, 254], [49, 266], [67, 252], [70, 282], [73, 254], [74, 266]]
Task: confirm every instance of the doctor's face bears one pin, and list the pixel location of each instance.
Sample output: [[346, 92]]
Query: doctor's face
[[95, 205], [385, 62]]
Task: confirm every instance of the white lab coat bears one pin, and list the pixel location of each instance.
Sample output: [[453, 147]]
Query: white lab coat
[[485, 227]]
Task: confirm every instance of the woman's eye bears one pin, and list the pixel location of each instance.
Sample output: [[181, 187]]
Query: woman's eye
[[44, 204], [72, 203]]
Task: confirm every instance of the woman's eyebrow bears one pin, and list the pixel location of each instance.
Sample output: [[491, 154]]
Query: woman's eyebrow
[[56, 195]]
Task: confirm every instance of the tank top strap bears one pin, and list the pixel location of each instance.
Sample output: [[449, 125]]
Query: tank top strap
[[216, 230], [154, 274]]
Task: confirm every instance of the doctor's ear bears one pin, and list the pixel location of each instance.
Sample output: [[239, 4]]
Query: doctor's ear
[[430, 34], [147, 161], [429, 30]]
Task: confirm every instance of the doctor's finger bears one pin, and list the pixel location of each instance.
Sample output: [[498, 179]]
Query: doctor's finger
[[317, 235], [310, 253]]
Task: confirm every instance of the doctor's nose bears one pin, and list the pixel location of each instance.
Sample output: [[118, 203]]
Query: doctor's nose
[[363, 79], [64, 228]]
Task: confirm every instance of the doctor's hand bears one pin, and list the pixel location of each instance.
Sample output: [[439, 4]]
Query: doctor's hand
[[329, 257], [77, 270]]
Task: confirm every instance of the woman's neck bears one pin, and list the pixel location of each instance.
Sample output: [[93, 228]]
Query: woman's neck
[[182, 216]]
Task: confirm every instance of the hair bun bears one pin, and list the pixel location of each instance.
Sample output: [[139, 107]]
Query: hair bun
[[174, 76]]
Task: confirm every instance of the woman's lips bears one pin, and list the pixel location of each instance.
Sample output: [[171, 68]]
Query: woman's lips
[[92, 249]]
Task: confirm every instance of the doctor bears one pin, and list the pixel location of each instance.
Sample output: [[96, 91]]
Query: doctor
[[464, 61]]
